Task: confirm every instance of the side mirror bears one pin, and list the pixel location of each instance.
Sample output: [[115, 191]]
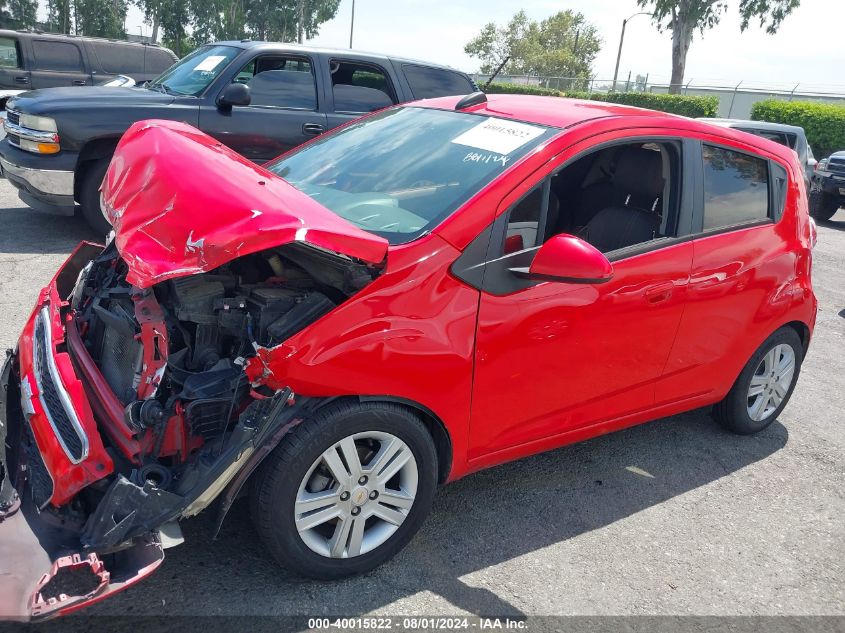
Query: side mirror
[[569, 259], [234, 95]]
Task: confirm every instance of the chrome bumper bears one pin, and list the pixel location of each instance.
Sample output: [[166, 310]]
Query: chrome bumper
[[46, 181]]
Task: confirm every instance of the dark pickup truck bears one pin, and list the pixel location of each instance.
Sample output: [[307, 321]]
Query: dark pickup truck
[[827, 192], [258, 98]]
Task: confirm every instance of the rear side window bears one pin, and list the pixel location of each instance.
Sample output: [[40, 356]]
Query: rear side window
[[360, 87], [736, 188], [9, 57], [118, 59], [427, 82], [157, 60], [61, 56]]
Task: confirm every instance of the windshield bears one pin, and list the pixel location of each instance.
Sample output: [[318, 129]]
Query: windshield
[[194, 73], [401, 172]]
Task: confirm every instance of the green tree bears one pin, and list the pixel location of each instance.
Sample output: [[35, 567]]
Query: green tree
[[684, 17], [60, 16], [100, 18], [564, 44], [23, 12]]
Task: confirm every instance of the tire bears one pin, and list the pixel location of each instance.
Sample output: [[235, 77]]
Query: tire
[[89, 196], [298, 468], [743, 413], [823, 205]]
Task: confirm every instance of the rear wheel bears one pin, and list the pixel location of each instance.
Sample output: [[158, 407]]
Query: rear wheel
[[764, 386], [346, 490], [823, 205], [89, 196]]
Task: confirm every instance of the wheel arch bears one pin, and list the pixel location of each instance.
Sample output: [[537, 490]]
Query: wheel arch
[[93, 150], [434, 425], [803, 331]]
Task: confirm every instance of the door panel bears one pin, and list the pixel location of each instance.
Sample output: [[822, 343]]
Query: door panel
[[283, 113], [57, 64], [13, 76], [556, 356]]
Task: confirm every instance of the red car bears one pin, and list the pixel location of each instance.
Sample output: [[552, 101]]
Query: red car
[[428, 291]]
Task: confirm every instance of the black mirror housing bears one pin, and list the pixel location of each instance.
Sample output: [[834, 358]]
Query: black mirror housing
[[234, 95]]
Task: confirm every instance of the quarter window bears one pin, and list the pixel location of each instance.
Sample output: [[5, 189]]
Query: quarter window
[[9, 53], [280, 81], [736, 188], [428, 82], [59, 56]]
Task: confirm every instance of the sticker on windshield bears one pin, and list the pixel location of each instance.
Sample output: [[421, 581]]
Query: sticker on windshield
[[498, 135], [210, 63]]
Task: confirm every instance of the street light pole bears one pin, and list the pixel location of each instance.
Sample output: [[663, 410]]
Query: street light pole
[[622, 39], [352, 24]]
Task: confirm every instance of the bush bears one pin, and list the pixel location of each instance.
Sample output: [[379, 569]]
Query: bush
[[824, 123], [684, 105], [675, 104], [519, 89]]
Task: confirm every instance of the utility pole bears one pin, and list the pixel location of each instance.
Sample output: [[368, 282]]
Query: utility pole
[[622, 39], [352, 24]]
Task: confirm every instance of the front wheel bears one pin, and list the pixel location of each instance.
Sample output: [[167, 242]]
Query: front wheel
[[89, 196], [345, 490], [764, 386], [822, 205]]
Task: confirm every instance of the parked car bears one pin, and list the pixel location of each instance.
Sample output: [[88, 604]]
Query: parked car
[[431, 290], [31, 60], [790, 135], [260, 99], [827, 190]]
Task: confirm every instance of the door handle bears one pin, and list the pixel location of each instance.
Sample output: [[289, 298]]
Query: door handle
[[313, 128], [22, 80], [659, 293], [80, 82]]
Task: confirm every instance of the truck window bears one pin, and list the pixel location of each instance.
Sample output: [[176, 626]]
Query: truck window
[[359, 87], [60, 56], [9, 57], [427, 82], [157, 60], [280, 81], [118, 59]]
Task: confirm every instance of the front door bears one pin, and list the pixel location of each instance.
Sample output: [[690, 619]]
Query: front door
[[283, 110], [554, 357]]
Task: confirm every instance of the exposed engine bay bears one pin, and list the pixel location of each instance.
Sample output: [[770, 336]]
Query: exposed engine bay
[[173, 358]]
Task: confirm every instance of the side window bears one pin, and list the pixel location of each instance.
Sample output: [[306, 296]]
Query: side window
[[524, 222], [59, 56], [9, 57], [280, 81], [157, 60], [736, 187], [427, 82], [359, 87], [117, 59]]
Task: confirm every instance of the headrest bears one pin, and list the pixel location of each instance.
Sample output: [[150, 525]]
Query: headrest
[[639, 172]]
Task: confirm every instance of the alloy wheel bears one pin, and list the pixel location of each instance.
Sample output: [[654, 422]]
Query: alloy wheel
[[770, 382]]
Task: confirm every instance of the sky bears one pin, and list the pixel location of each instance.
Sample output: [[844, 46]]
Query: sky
[[807, 49]]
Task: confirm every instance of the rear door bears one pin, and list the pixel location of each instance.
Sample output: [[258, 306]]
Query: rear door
[[57, 63], [13, 72], [284, 110]]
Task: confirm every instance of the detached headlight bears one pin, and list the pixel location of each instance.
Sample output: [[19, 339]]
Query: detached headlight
[[40, 123]]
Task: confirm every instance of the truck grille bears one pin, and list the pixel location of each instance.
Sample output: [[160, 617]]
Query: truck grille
[[119, 358], [13, 117], [52, 394], [836, 165]]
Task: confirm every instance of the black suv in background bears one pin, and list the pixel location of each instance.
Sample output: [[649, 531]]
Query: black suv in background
[[261, 99], [827, 192], [31, 60]]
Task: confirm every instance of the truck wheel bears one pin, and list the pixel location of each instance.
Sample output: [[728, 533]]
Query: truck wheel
[[764, 386], [822, 205], [89, 196], [346, 489]]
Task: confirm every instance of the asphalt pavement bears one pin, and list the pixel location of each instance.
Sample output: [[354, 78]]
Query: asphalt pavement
[[672, 517]]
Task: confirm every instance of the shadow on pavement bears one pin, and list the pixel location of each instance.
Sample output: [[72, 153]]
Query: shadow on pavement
[[24, 230], [476, 523]]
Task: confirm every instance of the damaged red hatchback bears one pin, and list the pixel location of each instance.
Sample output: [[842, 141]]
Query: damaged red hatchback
[[431, 290]]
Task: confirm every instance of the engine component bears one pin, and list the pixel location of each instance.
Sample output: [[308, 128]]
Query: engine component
[[208, 418], [269, 303], [309, 309], [143, 413], [194, 298]]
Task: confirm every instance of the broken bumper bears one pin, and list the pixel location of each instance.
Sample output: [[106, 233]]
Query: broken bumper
[[44, 571]]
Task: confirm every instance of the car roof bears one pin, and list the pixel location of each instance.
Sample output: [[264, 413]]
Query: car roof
[[70, 36], [328, 50], [563, 112], [757, 125]]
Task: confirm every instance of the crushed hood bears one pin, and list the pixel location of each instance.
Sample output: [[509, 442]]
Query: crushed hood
[[182, 203]]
